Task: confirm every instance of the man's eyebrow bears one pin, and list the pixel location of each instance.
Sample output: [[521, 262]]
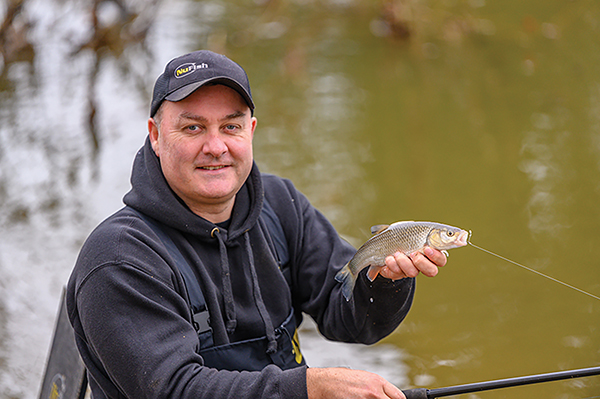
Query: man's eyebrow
[[189, 115], [237, 114], [199, 118]]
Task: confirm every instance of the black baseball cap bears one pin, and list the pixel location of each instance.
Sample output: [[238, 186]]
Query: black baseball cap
[[184, 74]]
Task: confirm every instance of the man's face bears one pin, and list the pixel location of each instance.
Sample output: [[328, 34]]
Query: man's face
[[204, 144]]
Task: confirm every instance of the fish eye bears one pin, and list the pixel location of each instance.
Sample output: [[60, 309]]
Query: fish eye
[[450, 233]]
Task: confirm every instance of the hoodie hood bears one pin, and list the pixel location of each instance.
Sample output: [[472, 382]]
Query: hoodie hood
[[151, 195]]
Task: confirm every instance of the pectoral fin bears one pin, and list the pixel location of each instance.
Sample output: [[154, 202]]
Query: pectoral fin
[[373, 272]]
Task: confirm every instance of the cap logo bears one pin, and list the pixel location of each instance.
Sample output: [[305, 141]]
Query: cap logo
[[185, 69]]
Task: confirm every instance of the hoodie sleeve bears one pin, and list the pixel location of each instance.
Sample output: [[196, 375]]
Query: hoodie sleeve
[[317, 254], [134, 333]]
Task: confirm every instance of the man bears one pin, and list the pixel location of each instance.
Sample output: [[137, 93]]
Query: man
[[196, 287]]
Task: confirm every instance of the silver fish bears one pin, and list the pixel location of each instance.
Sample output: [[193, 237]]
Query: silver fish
[[406, 237]]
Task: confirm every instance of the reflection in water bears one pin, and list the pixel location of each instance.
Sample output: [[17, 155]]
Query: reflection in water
[[66, 146], [546, 147], [313, 132], [384, 359], [323, 147], [366, 109], [51, 92], [55, 102], [419, 21], [595, 126], [15, 45], [115, 26]]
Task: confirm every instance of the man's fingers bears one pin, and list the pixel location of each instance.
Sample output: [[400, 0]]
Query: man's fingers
[[435, 256], [423, 264], [392, 391], [399, 265]]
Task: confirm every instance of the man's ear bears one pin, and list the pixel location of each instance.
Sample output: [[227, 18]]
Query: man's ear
[[153, 132], [254, 122]]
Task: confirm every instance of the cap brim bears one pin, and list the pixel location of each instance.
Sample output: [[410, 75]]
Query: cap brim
[[185, 91]]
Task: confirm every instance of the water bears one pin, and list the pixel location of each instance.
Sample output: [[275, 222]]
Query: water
[[487, 117]]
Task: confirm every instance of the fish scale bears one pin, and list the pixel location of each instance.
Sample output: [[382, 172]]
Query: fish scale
[[406, 237]]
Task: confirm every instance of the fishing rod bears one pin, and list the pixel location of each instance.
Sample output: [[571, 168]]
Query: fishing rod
[[423, 393]]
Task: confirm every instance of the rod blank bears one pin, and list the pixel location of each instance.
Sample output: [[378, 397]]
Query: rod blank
[[422, 393]]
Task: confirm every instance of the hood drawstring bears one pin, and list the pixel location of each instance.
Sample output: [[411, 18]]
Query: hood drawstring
[[230, 322], [262, 309]]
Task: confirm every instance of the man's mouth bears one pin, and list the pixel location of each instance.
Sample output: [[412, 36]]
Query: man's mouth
[[212, 167]]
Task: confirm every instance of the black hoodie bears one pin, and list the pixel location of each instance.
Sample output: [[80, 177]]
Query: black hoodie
[[128, 306]]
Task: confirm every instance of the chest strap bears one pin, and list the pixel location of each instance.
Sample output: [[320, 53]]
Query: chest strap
[[200, 313]]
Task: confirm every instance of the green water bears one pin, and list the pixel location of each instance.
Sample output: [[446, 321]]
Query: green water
[[496, 131], [486, 117]]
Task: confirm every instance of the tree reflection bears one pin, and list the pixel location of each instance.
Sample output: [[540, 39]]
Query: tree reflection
[[15, 45], [115, 26], [53, 56]]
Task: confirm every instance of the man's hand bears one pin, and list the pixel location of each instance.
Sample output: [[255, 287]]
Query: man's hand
[[342, 383], [399, 266]]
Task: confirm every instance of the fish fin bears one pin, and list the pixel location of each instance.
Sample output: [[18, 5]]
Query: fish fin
[[379, 228], [348, 280], [373, 272]]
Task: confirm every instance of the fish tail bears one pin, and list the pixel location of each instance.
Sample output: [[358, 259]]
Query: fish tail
[[347, 279]]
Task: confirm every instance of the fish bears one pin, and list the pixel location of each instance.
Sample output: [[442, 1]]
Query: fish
[[407, 237]]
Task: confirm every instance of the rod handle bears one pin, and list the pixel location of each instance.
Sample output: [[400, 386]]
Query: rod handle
[[419, 393]]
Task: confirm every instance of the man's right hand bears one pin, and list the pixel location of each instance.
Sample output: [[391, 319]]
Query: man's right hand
[[332, 383]]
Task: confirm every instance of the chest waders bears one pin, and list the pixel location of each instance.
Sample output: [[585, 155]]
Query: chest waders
[[251, 354]]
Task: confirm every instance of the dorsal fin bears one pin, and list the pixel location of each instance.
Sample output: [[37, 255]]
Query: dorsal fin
[[379, 228]]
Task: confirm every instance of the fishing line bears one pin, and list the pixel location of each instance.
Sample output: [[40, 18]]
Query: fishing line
[[531, 270]]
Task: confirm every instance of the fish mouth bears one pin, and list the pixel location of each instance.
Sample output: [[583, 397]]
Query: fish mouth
[[463, 238]]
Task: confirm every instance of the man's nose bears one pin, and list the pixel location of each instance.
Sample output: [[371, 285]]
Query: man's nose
[[214, 145]]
